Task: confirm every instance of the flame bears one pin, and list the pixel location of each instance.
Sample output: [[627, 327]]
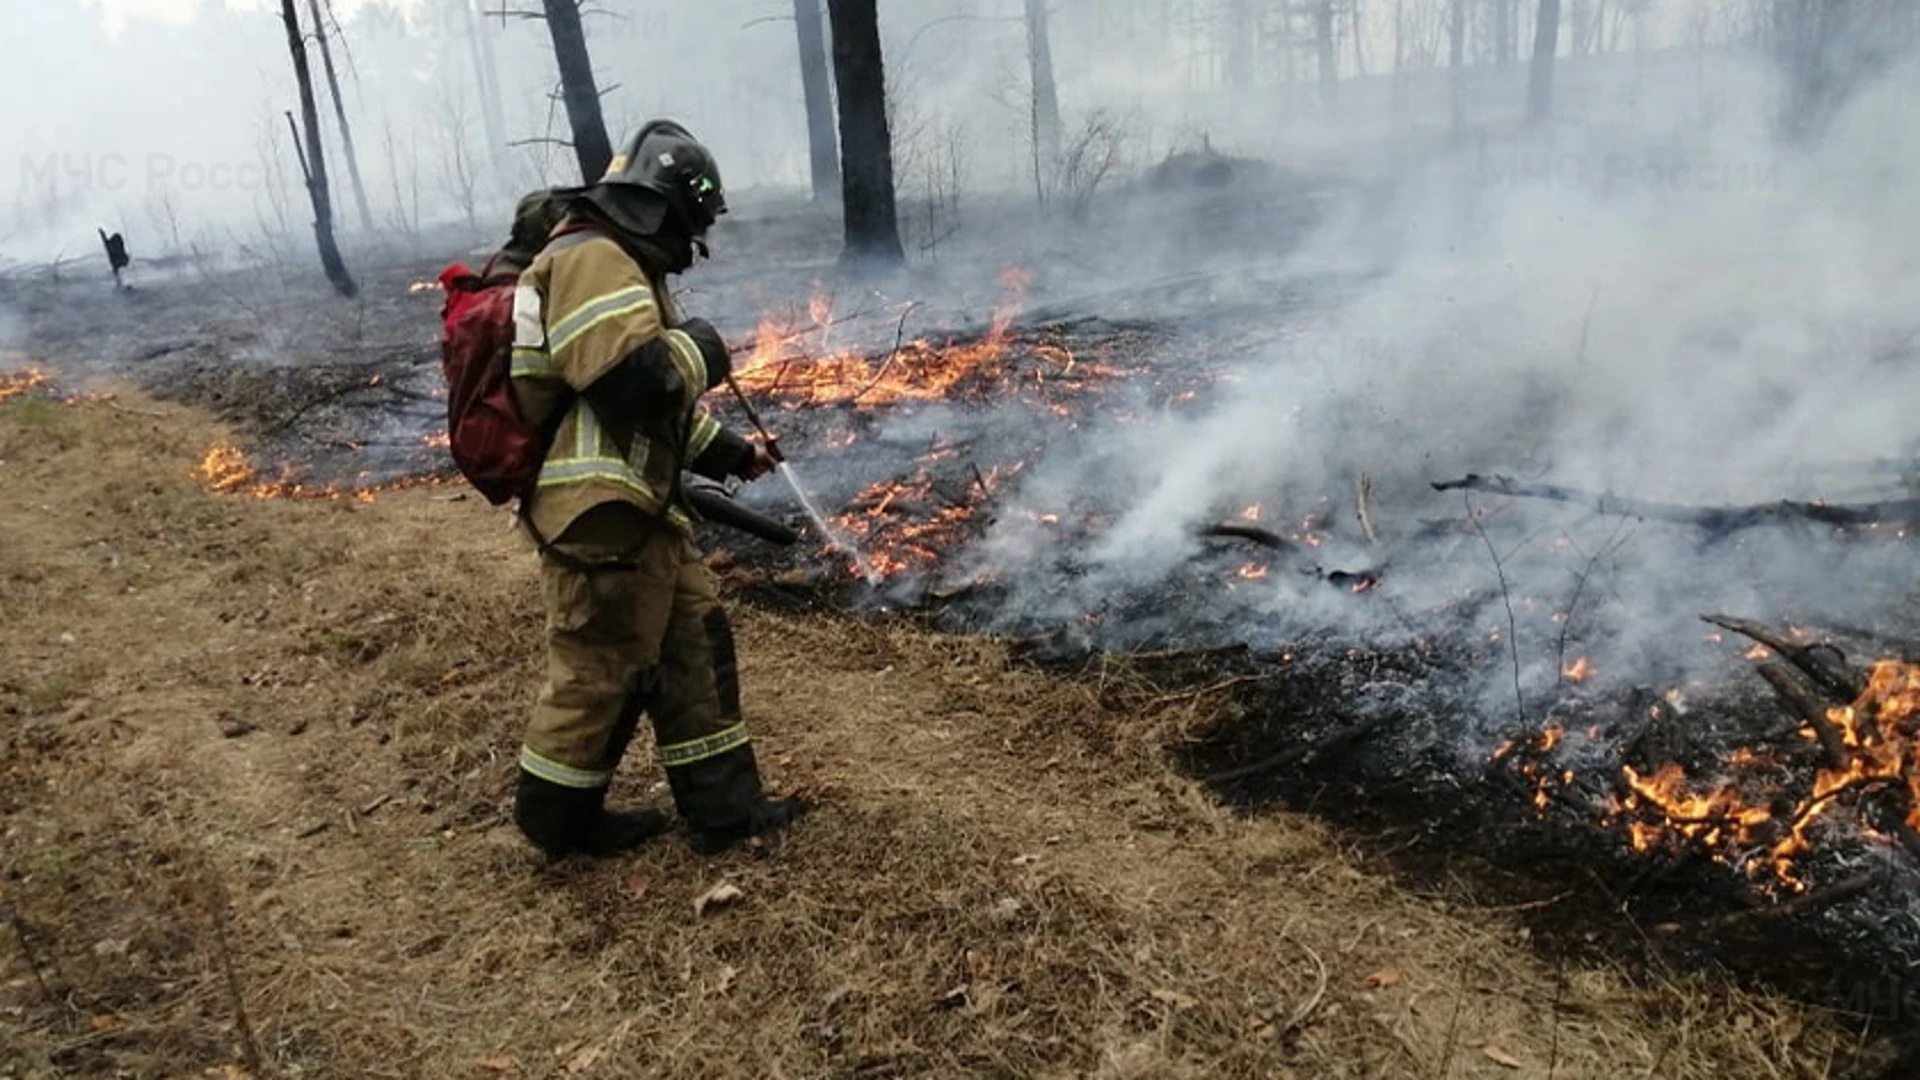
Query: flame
[[225, 470], [906, 525], [1881, 732], [781, 367], [422, 286], [1579, 671], [1253, 572], [437, 439], [15, 383], [1759, 652]]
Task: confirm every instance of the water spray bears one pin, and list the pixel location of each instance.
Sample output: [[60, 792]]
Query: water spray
[[833, 536]]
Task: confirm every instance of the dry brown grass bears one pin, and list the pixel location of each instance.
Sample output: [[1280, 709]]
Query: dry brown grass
[[1004, 879]]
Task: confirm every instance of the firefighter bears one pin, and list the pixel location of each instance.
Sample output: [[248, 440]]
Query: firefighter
[[604, 361]]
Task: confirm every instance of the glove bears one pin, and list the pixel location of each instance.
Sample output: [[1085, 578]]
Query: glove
[[712, 349]]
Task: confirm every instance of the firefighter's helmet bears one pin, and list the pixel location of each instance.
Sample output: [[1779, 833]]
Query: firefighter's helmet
[[665, 158]]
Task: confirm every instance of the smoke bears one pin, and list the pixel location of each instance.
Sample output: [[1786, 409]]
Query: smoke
[[1697, 314]]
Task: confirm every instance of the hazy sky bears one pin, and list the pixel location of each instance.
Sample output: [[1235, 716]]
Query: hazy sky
[[116, 12]]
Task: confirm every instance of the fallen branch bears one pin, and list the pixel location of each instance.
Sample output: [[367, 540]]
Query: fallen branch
[[1225, 684], [1266, 538], [1806, 902], [249, 1046], [1306, 1010], [1824, 664], [1713, 519], [1806, 704]]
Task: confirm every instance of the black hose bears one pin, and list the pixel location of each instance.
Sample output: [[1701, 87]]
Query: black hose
[[713, 505]]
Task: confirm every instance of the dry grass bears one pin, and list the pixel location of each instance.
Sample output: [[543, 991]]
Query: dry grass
[[304, 714]]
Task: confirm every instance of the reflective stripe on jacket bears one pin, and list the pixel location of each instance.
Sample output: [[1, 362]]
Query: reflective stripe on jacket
[[583, 307]]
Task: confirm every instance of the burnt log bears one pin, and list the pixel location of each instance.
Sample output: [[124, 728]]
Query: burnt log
[[1717, 520], [1266, 538]]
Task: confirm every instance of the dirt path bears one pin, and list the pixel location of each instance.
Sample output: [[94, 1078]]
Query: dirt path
[[303, 715]]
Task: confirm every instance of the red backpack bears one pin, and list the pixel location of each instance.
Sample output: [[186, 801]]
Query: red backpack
[[496, 449]]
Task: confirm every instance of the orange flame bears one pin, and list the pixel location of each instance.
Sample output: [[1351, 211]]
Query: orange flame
[[225, 470], [1579, 671], [15, 383]]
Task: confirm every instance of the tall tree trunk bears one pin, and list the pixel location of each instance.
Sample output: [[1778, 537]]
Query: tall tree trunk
[[1581, 15], [340, 114], [1546, 42], [1329, 54], [590, 143], [1503, 32], [1237, 16], [1399, 56], [487, 73], [314, 158], [1457, 60], [1046, 99], [1359, 39], [824, 151], [866, 144]]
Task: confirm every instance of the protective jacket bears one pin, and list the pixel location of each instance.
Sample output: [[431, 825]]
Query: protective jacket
[[603, 360]]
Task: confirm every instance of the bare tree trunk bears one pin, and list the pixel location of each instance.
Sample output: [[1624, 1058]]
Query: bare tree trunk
[[1329, 54], [1359, 39], [1546, 42], [340, 114], [1046, 99], [590, 143], [314, 158], [823, 150], [1399, 56], [1237, 24], [866, 143], [487, 73], [1457, 61], [1581, 15], [1503, 32]]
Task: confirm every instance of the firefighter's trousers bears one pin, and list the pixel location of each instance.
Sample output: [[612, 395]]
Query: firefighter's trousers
[[646, 636]]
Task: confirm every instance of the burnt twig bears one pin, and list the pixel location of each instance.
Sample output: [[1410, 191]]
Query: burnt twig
[[1807, 902], [1304, 753], [1713, 519], [1506, 596], [249, 1046], [899, 332], [1363, 502]]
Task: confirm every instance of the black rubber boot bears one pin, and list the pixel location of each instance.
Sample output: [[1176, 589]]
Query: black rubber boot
[[563, 821], [766, 816]]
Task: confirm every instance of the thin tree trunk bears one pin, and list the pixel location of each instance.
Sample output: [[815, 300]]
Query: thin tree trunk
[[1329, 55], [1402, 55], [487, 73], [866, 143], [824, 150], [1238, 23], [1359, 40], [1546, 42], [1457, 61], [340, 114], [314, 158], [1046, 99], [582, 95]]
